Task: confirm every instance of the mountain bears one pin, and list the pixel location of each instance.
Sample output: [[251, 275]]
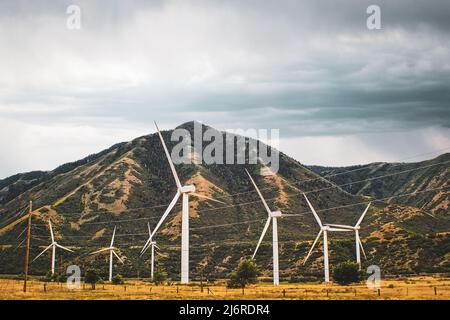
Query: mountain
[[131, 183], [401, 178]]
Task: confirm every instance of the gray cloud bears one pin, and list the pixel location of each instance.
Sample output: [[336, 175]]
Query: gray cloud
[[312, 68]]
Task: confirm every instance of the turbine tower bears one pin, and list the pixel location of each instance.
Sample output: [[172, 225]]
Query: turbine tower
[[53, 245], [323, 229], [185, 191], [112, 252], [356, 227], [150, 244], [272, 216]]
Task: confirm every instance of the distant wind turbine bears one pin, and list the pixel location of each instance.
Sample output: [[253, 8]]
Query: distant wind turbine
[[272, 216], [53, 245], [112, 252], [323, 229], [355, 228], [150, 244]]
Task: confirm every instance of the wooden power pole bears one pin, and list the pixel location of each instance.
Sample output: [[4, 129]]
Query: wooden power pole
[[27, 254]]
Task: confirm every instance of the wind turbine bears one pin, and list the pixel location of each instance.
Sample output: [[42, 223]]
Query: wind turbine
[[323, 229], [53, 245], [272, 216], [112, 252], [185, 191], [150, 244], [355, 228]]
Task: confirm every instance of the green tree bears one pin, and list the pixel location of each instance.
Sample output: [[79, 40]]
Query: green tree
[[117, 279], [92, 277], [49, 277], [246, 273], [159, 276], [346, 273]]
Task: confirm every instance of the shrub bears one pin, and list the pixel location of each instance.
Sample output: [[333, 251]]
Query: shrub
[[49, 277], [117, 279], [62, 277], [346, 273], [245, 274], [159, 276], [20, 276], [92, 277]]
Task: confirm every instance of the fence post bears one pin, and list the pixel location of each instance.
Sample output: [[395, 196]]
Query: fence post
[[435, 291], [327, 293], [284, 293], [379, 292], [177, 290], [45, 287]]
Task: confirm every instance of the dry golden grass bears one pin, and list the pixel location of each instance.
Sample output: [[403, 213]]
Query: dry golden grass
[[413, 288]]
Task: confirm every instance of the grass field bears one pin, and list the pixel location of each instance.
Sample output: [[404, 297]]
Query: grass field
[[412, 288]]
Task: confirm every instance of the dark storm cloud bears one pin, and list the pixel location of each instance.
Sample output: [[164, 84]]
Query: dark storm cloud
[[310, 68]]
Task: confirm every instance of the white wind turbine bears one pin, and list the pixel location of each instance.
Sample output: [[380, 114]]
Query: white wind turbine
[[150, 244], [112, 252], [185, 191], [323, 229], [53, 245], [355, 228], [272, 216]]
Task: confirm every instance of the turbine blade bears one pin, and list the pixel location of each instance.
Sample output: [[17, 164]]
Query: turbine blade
[[313, 211], [362, 248], [172, 167], [145, 247], [117, 256], [312, 247], [98, 251], [206, 197], [362, 216], [51, 230], [112, 239], [259, 193], [157, 247], [149, 229], [64, 248], [339, 230], [40, 254], [262, 236], [169, 208], [342, 226]]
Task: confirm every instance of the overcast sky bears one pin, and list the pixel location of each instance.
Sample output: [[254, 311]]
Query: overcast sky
[[340, 93]]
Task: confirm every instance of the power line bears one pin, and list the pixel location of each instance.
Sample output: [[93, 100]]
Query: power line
[[284, 215], [273, 199]]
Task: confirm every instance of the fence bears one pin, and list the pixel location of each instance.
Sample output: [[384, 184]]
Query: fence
[[11, 289]]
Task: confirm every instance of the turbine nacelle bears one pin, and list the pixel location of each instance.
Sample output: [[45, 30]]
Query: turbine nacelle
[[275, 214], [187, 189], [331, 228]]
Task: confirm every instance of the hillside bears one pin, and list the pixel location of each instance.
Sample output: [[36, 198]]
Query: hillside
[[414, 177], [131, 183]]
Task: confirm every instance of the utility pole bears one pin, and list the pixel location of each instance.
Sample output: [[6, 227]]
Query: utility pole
[[30, 209]]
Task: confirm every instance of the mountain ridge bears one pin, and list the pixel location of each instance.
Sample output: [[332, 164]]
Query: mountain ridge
[[130, 183]]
